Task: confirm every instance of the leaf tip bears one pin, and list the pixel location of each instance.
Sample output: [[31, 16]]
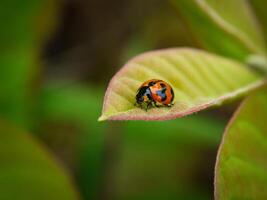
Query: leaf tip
[[102, 118]]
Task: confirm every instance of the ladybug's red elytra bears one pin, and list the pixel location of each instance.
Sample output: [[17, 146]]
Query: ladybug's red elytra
[[154, 93]]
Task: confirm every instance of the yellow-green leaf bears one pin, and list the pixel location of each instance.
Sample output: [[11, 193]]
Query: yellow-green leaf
[[241, 161], [226, 27], [199, 80]]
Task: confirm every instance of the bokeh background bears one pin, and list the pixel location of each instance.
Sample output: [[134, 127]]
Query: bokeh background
[[56, 60]]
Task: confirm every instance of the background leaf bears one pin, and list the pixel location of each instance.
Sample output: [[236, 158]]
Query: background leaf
[[24, 28], [199, 80], [242, 162], [77, 105], [27, 170], [225, 27], [259, 9]]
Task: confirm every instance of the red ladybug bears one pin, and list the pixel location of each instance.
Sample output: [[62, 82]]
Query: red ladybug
[[154, 93]]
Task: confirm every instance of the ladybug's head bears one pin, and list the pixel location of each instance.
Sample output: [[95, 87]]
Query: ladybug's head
[[143, 95]]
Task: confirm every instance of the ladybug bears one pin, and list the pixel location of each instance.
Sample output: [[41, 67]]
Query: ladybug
[[154, 93]]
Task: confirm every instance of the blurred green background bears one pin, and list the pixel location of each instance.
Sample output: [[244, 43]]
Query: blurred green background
[[55, 63]]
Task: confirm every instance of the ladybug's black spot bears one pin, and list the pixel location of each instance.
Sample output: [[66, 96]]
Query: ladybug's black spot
[[149, 96], [162, 94], [163, 85], [151, 83], [172, 94]]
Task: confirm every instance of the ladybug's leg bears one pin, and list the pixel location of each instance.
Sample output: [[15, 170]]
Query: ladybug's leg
[[137, 105], [170, 105], [148, 105], [156, 105], [146, 108]]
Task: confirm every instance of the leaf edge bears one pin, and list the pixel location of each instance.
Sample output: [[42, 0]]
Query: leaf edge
[[242, 91], [226, 132]]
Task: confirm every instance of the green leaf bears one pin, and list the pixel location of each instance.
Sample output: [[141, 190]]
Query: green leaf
[[259, 8], [65, 102], [226, 27], [199, 80], [241, 161], [37, 18], [28, 171], [16, 76], [24, 26]]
